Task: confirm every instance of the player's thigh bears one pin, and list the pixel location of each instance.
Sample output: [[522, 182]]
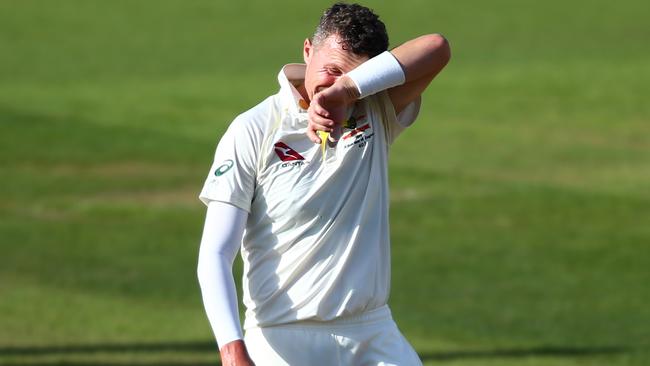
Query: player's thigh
[[290, 346], [380, 344]]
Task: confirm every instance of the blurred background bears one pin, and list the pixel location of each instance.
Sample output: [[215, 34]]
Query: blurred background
[[520, 206]]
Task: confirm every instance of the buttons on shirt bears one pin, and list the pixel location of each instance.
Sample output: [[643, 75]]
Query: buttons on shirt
[[303, 104]]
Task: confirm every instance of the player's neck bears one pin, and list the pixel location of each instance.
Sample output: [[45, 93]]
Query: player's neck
[[303, 92]]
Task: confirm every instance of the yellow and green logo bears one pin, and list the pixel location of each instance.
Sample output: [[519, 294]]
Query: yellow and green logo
[[223, 168]]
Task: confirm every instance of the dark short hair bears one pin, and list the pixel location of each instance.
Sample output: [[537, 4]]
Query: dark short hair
[[358, 28]]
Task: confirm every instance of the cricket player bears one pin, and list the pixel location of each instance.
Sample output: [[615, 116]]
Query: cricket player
[[299, 185]]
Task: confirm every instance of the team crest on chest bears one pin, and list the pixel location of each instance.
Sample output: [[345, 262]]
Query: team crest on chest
[[353, 121], [360, 132]]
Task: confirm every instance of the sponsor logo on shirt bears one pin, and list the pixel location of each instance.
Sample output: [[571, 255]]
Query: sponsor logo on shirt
[[289, 156], [285, 153], [223, 168]]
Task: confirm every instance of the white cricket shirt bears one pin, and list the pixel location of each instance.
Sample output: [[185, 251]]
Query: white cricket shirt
[[316, 245]]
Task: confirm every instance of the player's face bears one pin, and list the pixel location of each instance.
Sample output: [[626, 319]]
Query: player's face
[[326, 62]]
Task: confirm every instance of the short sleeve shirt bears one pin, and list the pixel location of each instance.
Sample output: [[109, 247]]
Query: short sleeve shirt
[[316, 245]]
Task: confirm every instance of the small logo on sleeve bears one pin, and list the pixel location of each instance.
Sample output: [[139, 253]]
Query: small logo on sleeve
[[223, 168]]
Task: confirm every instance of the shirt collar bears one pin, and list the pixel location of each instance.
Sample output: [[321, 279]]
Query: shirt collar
[[290, 76]]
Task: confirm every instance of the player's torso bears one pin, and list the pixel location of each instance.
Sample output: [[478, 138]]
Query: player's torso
[[295, 176], [316, 243]]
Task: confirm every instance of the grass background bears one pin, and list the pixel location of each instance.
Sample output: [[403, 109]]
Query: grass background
[[520, 200]]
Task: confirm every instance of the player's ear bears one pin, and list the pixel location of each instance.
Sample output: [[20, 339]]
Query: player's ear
[[307, 50]]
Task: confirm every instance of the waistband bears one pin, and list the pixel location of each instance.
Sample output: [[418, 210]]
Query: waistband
[[367, 317]]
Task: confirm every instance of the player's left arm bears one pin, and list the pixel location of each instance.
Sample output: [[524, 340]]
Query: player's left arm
[[405, 73], [421, 58]]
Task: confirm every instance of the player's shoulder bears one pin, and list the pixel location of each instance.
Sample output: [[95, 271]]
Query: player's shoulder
[[255, 115], [406, 116], [254, 120], [249, 129]]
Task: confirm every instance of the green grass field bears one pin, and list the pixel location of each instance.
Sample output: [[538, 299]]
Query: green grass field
[[520, 199]]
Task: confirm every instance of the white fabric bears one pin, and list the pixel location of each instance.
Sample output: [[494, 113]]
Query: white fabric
[[316, 245], [377, 74], [369, 339], [407, 116], [222, 234]]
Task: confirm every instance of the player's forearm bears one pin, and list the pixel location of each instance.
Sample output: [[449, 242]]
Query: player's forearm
[[346, 90], [219, 297], [423, 56]]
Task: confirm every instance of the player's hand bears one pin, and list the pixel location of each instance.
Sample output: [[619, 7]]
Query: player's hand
[[329, 108], [235, 354]]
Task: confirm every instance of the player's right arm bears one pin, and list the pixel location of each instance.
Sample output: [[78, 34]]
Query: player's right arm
[[222, 234]]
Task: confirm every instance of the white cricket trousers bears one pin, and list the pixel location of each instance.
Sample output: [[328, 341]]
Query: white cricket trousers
[[368, 339]]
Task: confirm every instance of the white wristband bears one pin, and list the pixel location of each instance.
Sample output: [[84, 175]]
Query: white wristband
[[379, 73]]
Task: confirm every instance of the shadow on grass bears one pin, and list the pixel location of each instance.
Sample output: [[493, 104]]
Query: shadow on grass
[[209, 346], [558, 352], [100, 363], [135, 347], [189, 347]]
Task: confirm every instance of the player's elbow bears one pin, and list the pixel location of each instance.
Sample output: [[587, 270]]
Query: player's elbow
[[437, 50], [439, 47]]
